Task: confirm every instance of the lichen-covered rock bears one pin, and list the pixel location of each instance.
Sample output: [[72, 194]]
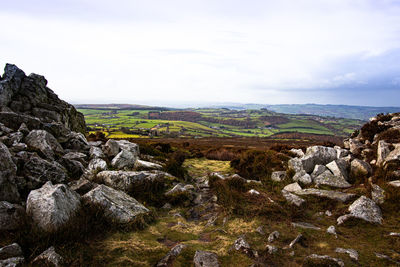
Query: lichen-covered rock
[[129, 146], [318, 155], [81, 186], [339, 168], [382, 152], [205, 259], [329, 179], [96, 152], [292, 198], [363, 208], [11, 216], [353, 254], [298, 152], [48, 258], [124, 160], [76, 141], [12, 262], [292, 187], [295, 164], [127, 180], [335, 195], [302, 177], [378, 194], [318, 169], [8, 170], [111, 148], [118, 207], [45, 143], [278, 176], [52, 206], [273, 236]]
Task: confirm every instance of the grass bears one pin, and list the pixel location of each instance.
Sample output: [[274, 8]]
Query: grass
[[201, 167]]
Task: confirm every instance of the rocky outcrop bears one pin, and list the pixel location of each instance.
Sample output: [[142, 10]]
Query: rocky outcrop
[[52, 206], [29, 96]]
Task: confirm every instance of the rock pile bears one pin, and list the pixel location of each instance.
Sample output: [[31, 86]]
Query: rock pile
[[48, 170]]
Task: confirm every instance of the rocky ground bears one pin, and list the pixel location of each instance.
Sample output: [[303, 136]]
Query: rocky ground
[[65, 201]]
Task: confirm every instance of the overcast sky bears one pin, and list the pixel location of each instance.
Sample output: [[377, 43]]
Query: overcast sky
[[185, 52]]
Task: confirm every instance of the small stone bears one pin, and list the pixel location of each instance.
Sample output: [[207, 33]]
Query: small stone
[[273, 236], [323, 260], [48, 258], [171, 255], [395, 183], [332, 230], [253, 192], [298, 238], [394, 234], [271, 249], [305, 225], [353, 254], [292, 198], [378, 194], [278, 176], [328, 213], [260, 230]]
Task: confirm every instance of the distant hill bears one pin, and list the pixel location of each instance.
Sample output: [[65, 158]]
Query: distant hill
[[338, 111]]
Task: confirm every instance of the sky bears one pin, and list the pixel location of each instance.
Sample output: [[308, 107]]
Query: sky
[[196, 52]]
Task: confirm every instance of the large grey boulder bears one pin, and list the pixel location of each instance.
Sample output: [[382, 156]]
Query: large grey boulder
[[8, 170], [96, 152], [329, 179], [205, 259], [334, 195], [10, 251], [12, 262], [45, 143], [118, 207], [128, 146], [48, 258], [318, 155], [29, 95], [76, 141], [127, 180], [365, 209], [11, 216], [295, 164], [124, 160], [52, 206], [38, 171]]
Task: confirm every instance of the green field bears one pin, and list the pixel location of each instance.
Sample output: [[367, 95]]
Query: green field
[[137, 123]]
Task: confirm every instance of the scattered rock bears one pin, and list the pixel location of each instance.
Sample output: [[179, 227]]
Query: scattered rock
[[271, 249], [48, 258], [322, 260], [302, 177], [253, 192], [260, 230], [292, 198], [305, 225], [332, 230], [329, 179], [52, 206], [242, 245], [387, 258], [353, 254], [205, 259], [273, 236], [394, 234], [118, 206], [278, 176], [378, 194], [171, 255], [298, 239], [292, 187], [335, 195], [10, 251], [395, 183], [365, 209], [298, 152]]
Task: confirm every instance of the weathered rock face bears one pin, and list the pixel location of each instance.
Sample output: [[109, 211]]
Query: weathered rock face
[[118, 207], [44, 142], [124, 160], [8, 188], [29, 95], [327, 178], [52, 206], [365, 209]]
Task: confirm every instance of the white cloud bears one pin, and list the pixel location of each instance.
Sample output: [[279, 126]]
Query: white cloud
[[177, 51]]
